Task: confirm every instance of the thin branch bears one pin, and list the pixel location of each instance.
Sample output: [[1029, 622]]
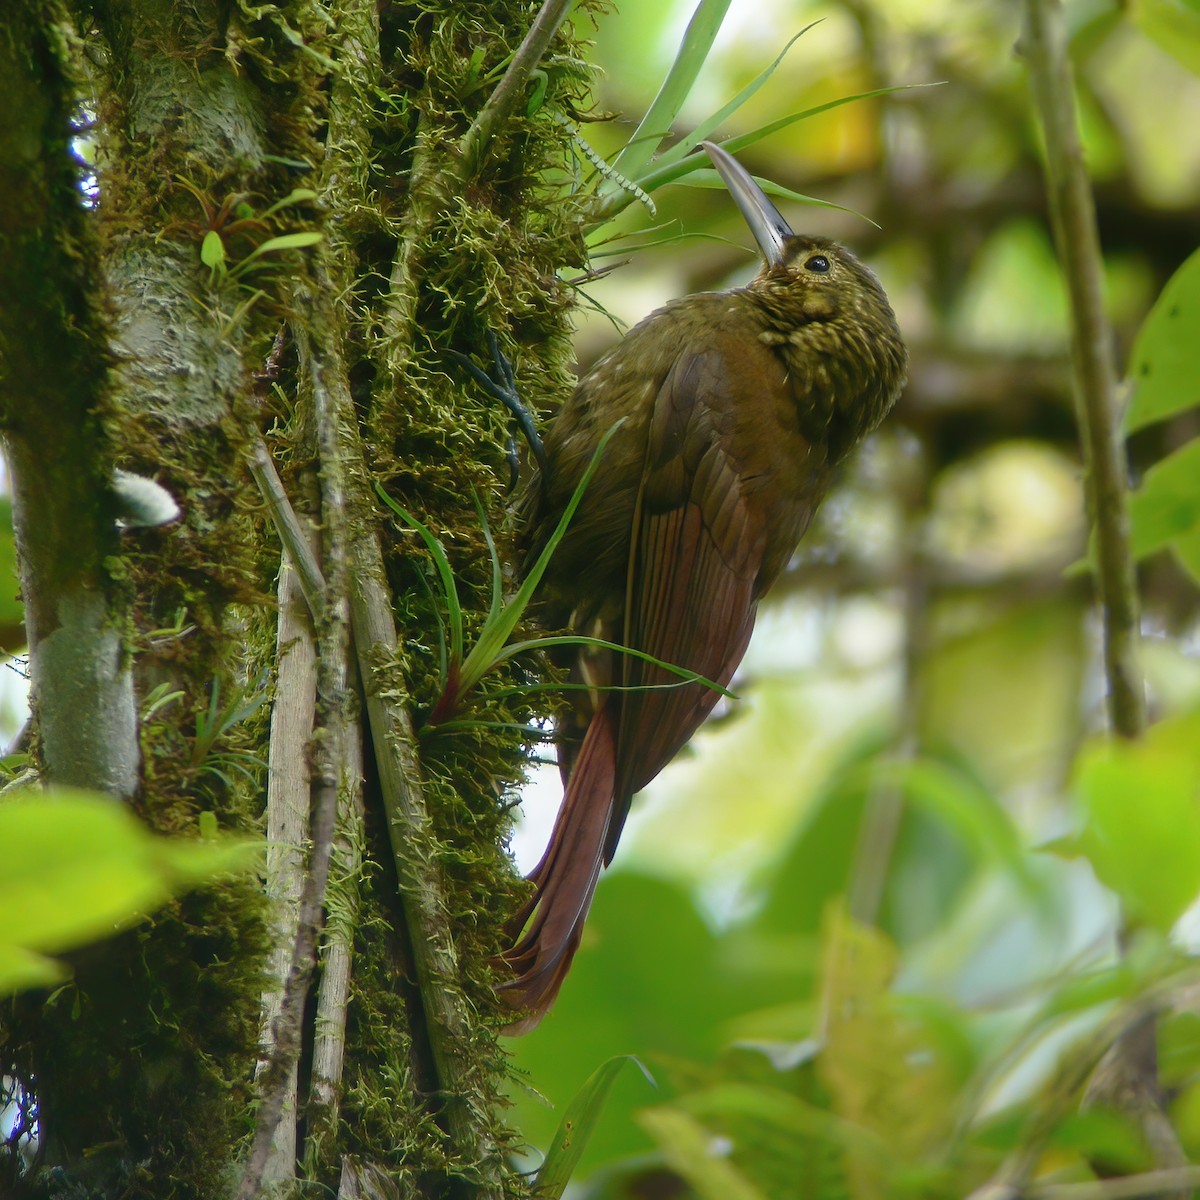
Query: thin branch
[[1149, 1183], [1127, 1076], [1073, 213], [288, 527], [448, 1026], [327, 756], [508, 91], [293, 717]]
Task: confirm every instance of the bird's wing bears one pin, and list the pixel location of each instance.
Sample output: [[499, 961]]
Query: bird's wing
[[698, 545]]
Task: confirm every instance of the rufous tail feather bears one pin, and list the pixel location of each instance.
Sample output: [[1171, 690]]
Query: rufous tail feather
[[551, 922]]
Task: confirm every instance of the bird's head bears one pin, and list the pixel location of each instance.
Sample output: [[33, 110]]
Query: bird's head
[[812, 278]]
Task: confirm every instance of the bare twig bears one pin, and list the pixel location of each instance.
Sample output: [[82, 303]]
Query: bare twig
[[1127, 1077], [500, 103], [1149, 1183], [327, 755], [1073, 212], [293, 716]]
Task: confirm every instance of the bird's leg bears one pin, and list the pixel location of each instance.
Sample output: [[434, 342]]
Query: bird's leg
[[502, 386]]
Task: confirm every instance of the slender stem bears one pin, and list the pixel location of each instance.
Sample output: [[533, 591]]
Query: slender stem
[[1073, 212], [1127, 1077], [293, 717], [327, 755], [288, 527], [1149, 1183], [500, 103]]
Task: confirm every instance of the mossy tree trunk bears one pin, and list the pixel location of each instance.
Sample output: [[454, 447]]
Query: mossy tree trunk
[[196, 671]]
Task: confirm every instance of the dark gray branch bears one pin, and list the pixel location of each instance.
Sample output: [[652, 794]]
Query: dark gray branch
[[54, 384]]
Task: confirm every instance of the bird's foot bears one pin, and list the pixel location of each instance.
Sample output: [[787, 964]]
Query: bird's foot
[[501, 385]]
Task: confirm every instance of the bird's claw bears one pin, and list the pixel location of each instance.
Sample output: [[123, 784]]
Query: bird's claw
[[501, 385]]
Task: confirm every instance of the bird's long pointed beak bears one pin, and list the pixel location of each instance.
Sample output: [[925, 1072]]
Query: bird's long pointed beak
[[769, 228]]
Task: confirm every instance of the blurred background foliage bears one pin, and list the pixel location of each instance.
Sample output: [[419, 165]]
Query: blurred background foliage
[[862, 932]]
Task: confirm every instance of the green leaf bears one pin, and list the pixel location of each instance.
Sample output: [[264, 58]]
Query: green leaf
[[965, 806], [496, 632], [21, 969], [1174, 25], [1167, 505], [445, 574], [1164, 367], [1141, 818], [704, 177], [537, 95], [668, 168], [1186, 549], [576, 1127], [295, 196], [661, 115], [287, 241], [212, 250], [579, 639], [701, 133], [81, 866], [688, 1148]]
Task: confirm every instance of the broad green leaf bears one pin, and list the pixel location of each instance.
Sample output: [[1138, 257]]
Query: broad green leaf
[[1167, 505], [883, 1073], [21, 969], [287, 241], [1141, 818], [1102, 1135], [710, 124], [576, 1127], [81, 867], [647, 979], [1164, 367], [295, 196], [212, 250], [660, 116], [1174, 25], [1187, 553], [966, 807], [692, 1152]]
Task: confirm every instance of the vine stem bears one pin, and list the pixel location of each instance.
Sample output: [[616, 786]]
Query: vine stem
[[1073, 215], [501, 102], [1127, 1077]]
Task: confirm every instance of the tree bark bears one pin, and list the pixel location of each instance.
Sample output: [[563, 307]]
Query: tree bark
[[135, 334]]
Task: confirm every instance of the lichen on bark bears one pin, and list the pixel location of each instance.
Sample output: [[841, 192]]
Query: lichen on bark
[[206, 114]]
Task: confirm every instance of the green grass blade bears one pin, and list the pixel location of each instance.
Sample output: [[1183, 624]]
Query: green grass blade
[[445, 574], [702, 131], [497, 600], [660, 116], [706, 178], [734, 144], [496, 632], [576, 1126], [579, 639], [663, 172]]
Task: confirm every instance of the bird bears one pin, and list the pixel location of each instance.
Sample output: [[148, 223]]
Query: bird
[[733, 410]]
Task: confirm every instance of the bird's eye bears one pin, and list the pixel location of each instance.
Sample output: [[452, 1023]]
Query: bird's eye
[[818, 263]]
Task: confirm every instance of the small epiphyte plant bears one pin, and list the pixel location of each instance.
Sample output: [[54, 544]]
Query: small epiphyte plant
[[233, 218], [462, 672]]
